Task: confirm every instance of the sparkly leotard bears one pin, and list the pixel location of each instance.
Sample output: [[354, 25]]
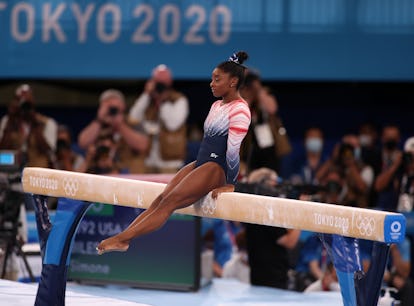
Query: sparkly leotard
[[224, 129]]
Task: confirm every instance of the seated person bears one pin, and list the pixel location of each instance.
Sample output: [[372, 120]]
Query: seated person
[[309, 267], [66, 157], [397, 273], [217, 236], [328, 282], [238, 265]]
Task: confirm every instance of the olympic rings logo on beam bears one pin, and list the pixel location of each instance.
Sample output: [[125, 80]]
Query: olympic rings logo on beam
[[208, 205], [365, 225], [70, 186], [396, 227]]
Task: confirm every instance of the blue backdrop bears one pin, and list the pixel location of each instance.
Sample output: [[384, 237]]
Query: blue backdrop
[[287, 39]]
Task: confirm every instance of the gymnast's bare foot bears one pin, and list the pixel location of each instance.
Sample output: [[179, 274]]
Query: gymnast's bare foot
[[112, 244]]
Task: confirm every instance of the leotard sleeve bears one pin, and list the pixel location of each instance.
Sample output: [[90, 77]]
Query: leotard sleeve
[[239, 121]]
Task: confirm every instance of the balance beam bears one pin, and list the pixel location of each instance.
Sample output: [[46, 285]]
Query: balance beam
[[273, 211]]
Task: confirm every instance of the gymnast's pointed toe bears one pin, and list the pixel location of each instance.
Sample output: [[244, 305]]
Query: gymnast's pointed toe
[[105, 247]]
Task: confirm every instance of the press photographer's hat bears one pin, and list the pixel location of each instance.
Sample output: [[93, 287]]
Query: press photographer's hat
[[409, 145]]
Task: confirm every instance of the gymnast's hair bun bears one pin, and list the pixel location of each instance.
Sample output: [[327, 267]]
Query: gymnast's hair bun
[[239, 57]]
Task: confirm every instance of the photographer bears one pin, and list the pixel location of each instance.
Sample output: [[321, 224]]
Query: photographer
[[101, 157], [31, 137], [66, 158], [387, 180], [358, 177], [406, 183], [131, 143], [31, 134], [267, 142], [163, 112]]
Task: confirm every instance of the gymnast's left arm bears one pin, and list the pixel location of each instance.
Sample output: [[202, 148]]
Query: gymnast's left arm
[[239, 121]]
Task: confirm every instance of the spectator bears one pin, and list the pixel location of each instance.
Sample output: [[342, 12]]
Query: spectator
[[313, 159], [238, 265], [130, 141], [370, 152], [310, 265], [267, 249], [358, 177], [28, 132], [406, 182], [219, 237], [32, 136], [66, 157], [387, 180], [164, 112], [266, 142], [398, 270]]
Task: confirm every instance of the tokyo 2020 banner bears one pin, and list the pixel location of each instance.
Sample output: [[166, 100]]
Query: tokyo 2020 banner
[[295, 39]]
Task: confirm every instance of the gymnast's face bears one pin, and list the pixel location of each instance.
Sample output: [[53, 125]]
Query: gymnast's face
[[222, 83]]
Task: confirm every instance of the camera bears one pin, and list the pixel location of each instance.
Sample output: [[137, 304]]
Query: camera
[[160, 87], [102, 151], [9, 161], [345, 151], [333, 187], [113, 111], [26, 106]]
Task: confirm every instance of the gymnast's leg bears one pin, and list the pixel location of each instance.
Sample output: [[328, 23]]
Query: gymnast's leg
[[191, 188], [178, 177]]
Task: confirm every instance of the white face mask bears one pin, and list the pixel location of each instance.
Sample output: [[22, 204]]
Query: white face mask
[[313, 144], [365, 140]]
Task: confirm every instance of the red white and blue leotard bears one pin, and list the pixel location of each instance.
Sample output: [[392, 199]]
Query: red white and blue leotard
[[224, 129]]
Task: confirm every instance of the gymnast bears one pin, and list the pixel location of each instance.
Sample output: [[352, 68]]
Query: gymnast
[[217, 165]]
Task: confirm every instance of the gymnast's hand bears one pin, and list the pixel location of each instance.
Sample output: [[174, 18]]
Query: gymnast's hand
[[226, 188]]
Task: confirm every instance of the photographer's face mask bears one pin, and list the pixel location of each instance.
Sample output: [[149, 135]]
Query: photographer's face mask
[[313, 144], [365, 140], [391, 144]]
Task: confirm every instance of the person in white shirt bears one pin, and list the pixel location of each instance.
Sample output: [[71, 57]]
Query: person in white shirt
[[26, 131], [163, 111]]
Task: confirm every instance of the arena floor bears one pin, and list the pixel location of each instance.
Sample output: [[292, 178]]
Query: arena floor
[[219, 293]]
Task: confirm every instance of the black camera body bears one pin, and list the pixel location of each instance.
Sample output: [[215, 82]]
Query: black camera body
[[113, 111], [345, 151], [160, 87], [26, 106], [102, 151]]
